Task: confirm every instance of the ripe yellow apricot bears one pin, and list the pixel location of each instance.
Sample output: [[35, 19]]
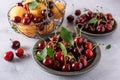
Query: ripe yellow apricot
[[47, 28], [37, 12], [27, 30], [59, 6], [17, 11]]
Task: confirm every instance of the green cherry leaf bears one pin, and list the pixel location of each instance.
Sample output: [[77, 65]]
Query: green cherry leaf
[[41, 56], [108, 46], [93, 21], [63, 48], [50, 52], [33, 4], [67, 36]]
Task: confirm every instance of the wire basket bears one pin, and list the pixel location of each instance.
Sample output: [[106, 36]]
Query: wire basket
[[48, 23]]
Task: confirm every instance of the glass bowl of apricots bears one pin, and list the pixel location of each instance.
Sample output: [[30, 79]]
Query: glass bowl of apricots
[[37, 18]]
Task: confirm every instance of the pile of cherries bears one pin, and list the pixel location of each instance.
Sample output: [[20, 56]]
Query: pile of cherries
[[28, 17], [104, 23], [19, 52], [78, 56]]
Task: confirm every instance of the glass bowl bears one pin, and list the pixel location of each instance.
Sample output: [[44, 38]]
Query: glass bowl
[[48, 24]]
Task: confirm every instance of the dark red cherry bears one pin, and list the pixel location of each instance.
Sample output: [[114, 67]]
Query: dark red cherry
[[37, 20], [58, 55], [100, 28], [40, 27], [26, 21], [77, 66], [66, 68], [109, 16], [19, 52], [65, 43], [8, 56], [84, 61], [57, 65], [30, 15], [25, 6], [70, 18], [100, 15], [15, 44], [82, 18], [90, 14], [108, 27], [88, 45], [41, 45], [20, 4], [77, 12], [89, 54], [51, 4], [54, 38], [16, 19], [78, 40], [48, 62]]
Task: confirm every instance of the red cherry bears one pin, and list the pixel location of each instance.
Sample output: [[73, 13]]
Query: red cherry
[[48, 61], [40, 27], [109, 16], [16, 19], [58, 55], [51, 4], [84, 61], [89, 54], [108, 27], [100, 28], [70, 18], [90, 14], [62, 59], [8, 56], [37, 20], [88, 45], [66, 68], [25, 6], [20, 4], [54, 38], [41, 45], [100, 15], [19, 52], [30, 15], [78, 40], [77, 66], [26, 20], [82, 18], [65, 43], [77, 12], [57, 65], [15, 44]]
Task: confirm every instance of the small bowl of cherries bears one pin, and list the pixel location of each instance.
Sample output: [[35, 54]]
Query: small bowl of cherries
[[66, 53], [93, 23]]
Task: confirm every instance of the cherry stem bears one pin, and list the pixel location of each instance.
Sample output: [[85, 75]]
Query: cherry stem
[[80, 33], [96, 45], [75, 28], [11, 40]]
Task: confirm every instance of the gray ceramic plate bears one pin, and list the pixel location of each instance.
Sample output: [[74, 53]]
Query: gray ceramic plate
[[82, 71], [102, 34]]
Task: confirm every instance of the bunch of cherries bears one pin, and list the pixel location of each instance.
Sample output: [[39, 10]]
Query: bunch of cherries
[[101, 23], [78, 56], [19, 52]]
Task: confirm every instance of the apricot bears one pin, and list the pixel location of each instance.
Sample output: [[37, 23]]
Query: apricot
[[59, 7], [47, 28], [28, 30], [37, 12], [17, 11]]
